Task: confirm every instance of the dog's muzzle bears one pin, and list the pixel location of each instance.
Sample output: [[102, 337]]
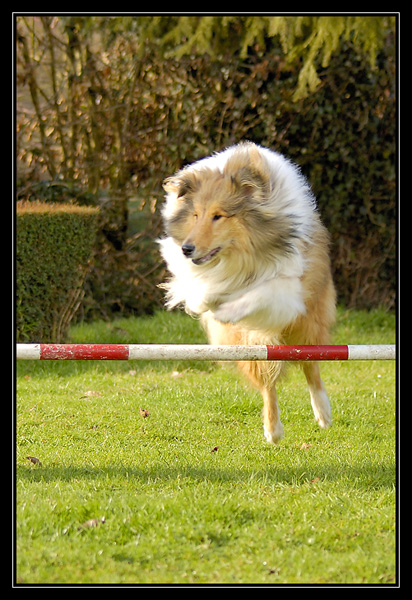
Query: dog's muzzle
[[190, 249]]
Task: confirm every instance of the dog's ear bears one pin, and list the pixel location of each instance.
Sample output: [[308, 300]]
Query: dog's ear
[[181, 184], [249, 171]]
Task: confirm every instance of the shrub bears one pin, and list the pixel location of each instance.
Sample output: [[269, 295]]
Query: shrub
[[54, 245]]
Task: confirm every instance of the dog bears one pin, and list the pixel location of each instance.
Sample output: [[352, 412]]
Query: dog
[[247, 252]]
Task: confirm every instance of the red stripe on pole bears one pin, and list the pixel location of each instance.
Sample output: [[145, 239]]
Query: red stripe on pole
[[316, 352], [84, 352]]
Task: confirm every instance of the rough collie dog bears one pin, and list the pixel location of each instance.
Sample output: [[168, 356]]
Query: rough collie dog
[[248, 252]]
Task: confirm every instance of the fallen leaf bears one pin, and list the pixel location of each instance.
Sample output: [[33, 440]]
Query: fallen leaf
[[132, 372], [176, 374], [215, 449], [92, 523], [145, 413], [315, 480], [305, 446], [91, 393], [34, 460]]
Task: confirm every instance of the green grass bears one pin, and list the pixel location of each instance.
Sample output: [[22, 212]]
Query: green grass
[[317, 508]]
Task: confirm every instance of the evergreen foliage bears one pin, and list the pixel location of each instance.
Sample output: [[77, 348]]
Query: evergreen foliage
[[311, 39]]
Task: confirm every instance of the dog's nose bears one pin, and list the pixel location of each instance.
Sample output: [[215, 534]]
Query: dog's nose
[[188, 249]]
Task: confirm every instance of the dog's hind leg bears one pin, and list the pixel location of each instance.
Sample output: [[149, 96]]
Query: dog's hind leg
[[272, 426], [264, 375], [318, 396]]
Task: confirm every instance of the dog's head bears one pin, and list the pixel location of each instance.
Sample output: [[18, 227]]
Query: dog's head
[[212, 213]]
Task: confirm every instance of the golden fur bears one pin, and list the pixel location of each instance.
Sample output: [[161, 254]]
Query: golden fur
[[248, 252]]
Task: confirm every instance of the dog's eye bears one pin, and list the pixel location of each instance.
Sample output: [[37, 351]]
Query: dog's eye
[[217, 217]]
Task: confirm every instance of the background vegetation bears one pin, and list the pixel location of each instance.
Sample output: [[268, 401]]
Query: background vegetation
[[107, 107], [54, 246]]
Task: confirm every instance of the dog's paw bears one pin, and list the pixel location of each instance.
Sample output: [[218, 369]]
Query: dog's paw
[[232, 312], [274, 436], [321, 408], [323, 420]]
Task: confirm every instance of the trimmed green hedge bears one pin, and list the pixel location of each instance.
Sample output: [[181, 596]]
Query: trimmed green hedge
[[54, 245]]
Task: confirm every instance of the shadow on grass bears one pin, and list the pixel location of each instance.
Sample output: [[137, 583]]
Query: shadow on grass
[[367, 475], [66, 368]]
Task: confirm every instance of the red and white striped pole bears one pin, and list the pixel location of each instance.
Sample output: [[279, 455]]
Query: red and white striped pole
[[202, 352]]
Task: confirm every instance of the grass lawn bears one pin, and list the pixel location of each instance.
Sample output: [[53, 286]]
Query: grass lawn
[[192, 493]]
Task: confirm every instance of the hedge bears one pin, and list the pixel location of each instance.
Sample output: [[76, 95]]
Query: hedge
[[54, 246]]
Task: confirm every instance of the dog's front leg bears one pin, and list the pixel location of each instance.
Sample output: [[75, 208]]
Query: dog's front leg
[[235, 310], [274, 303]]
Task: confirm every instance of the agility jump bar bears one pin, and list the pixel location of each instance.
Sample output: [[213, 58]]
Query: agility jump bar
[[202, 352]]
